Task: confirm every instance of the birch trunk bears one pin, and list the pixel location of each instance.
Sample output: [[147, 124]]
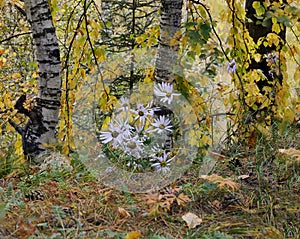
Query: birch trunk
[[170, 23], [40, 130], [166, 64]]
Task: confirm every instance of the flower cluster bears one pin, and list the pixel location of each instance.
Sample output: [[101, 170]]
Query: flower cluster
[[130, 139]]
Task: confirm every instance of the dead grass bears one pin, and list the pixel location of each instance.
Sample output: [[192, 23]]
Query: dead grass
[[62, 204]]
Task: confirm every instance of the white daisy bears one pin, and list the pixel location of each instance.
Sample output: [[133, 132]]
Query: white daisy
[[143, 112], [133, 146], [163, 164], [125, 127], [116, 133], [113, 135], [165, 90], [124, 103], [156, 151], [162, 125]]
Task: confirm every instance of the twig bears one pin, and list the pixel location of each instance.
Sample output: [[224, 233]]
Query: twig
[[15, 36]]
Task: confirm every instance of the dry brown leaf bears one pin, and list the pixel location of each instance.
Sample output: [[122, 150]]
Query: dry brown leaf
[[182, 199], [222, 182], [216, 204], [291, 152], [133, 235], [123, 213], [191, 220]]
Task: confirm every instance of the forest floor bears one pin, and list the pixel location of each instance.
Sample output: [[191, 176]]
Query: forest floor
[[252, 192]]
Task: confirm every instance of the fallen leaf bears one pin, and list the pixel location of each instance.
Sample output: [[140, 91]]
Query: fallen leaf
[[123, 213], [217, 203], [244, 176], [133, 235], [222, 182], [191, 220], [182, 199], [292, 152]]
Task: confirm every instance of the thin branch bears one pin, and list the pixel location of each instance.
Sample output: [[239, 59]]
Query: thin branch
[[212, 27], [85, 7], [15, 36]]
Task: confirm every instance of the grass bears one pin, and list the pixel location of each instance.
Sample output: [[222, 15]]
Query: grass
[[258, 197]]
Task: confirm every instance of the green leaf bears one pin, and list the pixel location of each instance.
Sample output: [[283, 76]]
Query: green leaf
[[194, 35], [260, 10], [205, 30]]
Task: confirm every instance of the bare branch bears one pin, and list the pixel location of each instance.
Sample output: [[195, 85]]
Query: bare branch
[[15, 36]]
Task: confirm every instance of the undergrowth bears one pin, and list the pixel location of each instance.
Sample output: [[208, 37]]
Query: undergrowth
[[252, 192]]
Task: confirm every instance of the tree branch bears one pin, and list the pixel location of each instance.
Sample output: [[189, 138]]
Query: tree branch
[[14, 36]]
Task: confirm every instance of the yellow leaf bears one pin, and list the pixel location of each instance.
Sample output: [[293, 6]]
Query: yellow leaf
[[257, 57], [276, 28], [35, 75], [205, 140], [289, 115], [16, 75], [100, 54], [106, 123], [139, 39], [222, 182], [18, 146], [82, 73], [133, 235]]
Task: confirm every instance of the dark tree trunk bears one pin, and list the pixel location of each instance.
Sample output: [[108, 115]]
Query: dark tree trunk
[[257, 30]]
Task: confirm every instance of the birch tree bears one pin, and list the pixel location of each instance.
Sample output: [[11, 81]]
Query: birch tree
[[170, 23], [43, 118]]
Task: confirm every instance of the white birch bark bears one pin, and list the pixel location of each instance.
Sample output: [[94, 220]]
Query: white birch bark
[[41, 130], [170, 23]]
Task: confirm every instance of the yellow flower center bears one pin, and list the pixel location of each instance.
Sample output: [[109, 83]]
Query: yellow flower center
[[132, 145], [161, 126], [115, 134]]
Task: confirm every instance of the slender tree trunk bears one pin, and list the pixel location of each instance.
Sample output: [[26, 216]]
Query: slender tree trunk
[[170, 23], [43, 118], [166, 64]]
